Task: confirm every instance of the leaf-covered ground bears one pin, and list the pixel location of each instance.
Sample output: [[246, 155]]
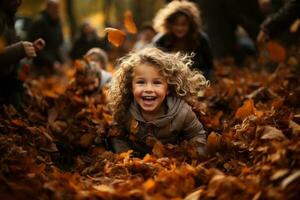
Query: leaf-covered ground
[[57, 147]]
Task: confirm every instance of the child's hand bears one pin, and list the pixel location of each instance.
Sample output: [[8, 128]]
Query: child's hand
[[29, 49], [39, 44]]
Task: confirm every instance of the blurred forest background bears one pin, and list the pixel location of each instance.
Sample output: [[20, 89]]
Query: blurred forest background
[[101, 13]]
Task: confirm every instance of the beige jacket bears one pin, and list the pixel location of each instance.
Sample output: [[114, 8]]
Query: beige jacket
[[178, 124]]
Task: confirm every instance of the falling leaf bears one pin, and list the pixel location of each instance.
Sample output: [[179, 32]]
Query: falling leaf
[[295, 26], [276, 51], [129, 23], [115, 36]]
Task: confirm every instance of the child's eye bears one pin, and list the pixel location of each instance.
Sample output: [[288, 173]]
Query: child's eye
[[157, 82], [140, 82]]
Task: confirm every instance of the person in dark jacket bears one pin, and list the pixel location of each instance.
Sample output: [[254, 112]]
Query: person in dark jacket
[[87, 40], [151, 96], [11, 52], [179, 29], [221, 20], [273, 25], [48, 26]]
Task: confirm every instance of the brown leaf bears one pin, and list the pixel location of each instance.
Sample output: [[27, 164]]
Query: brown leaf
[[129, 23], [213, 141], [279, 174], [290, 179], [276, 51], [295, 127], [272, 133], [158, 149], [115, 36], [18, 122], [195, 195], [52, 114], [24, 72], [107, 117], [2, 44]]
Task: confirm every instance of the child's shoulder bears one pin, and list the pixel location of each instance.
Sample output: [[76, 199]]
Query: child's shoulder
[[178, 105]]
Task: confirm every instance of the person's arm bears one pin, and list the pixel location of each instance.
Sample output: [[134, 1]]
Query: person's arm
[[193, 129], [282, 19], [9, 56], [207, 52]]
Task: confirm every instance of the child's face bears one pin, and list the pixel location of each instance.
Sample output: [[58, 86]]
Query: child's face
[[180, 26], [149, 88]]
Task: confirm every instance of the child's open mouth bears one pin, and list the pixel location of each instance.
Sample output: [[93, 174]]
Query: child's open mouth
[[148, 99]]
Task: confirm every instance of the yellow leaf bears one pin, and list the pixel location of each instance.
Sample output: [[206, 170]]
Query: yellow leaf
[[129, 23], [115, 36]]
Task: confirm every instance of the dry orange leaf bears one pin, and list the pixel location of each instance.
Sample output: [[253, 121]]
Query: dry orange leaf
[[18, 122], [149, 185], [24, 72], [246, 109], [107, 117], [276, 51], [216, 119], [213, 141], [2, 44], [129, 23], [115, 36]]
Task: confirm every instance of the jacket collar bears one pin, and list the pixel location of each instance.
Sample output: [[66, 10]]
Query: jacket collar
[[174, 105]]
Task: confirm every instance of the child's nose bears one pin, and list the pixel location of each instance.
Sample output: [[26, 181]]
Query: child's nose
[[149, 88]]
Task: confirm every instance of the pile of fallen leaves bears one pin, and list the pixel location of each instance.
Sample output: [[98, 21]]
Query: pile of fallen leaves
[[58, 148]]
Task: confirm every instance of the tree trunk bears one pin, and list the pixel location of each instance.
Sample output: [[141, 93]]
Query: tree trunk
[[71, 18]]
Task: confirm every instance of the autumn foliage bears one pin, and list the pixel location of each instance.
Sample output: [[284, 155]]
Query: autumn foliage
[[58, 148]]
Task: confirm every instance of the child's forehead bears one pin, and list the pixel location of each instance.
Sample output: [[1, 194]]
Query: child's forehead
[[146, 68]]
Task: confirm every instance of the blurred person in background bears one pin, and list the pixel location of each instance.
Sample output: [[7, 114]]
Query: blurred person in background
[[11, 52], [277, 25], [100, 59], [180, 30], [145, 37], [87, 39], [48, 26], [221, 21]]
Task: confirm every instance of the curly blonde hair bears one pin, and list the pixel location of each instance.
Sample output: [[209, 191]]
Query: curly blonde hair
[[175, 67], [166, 15]]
